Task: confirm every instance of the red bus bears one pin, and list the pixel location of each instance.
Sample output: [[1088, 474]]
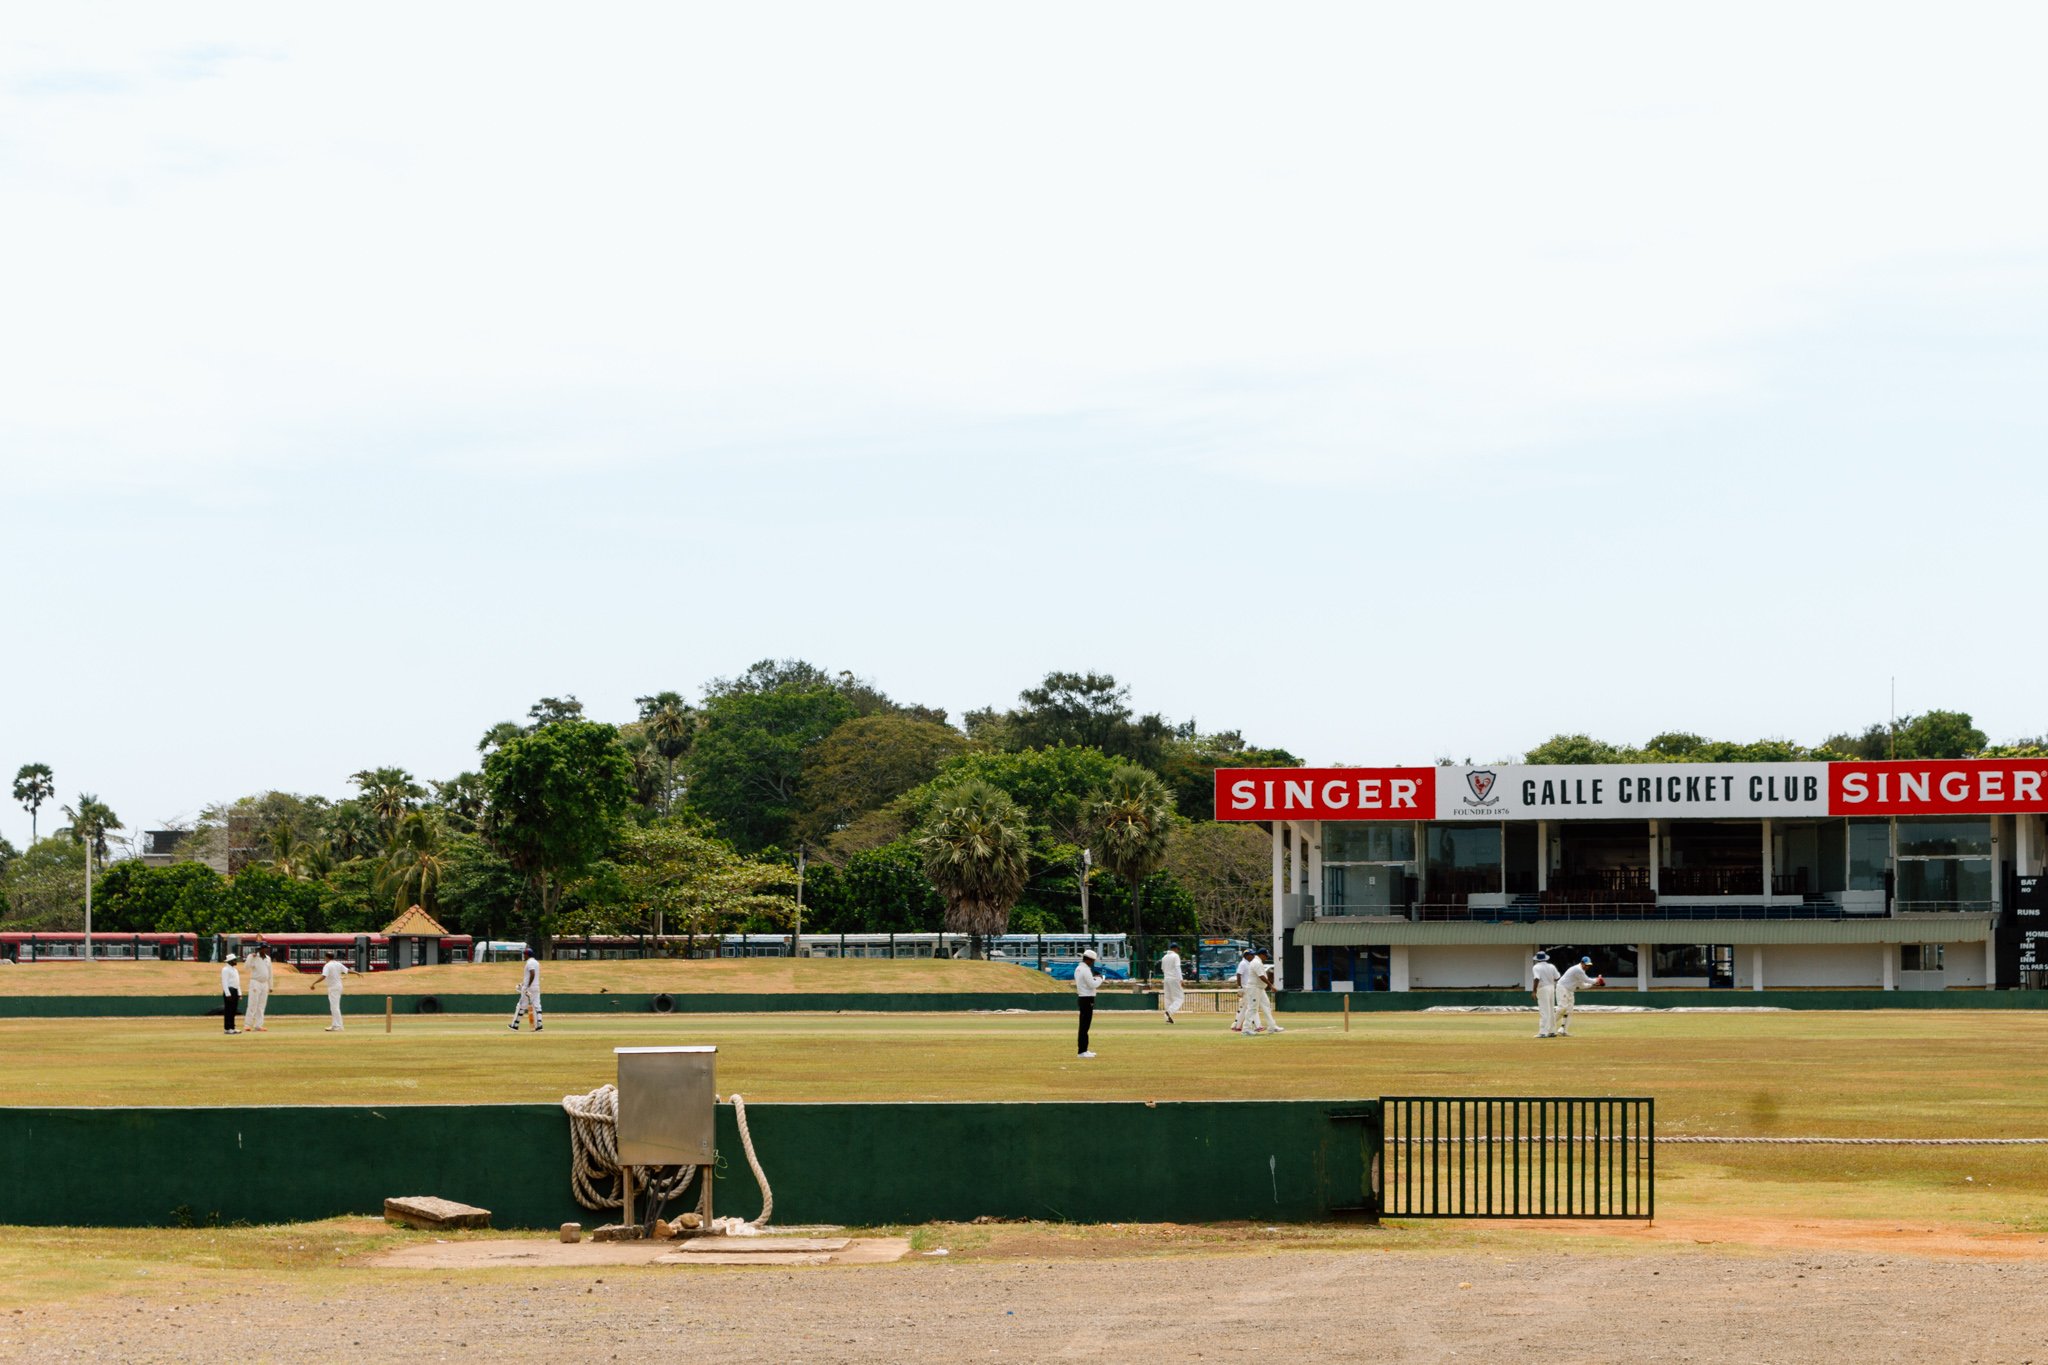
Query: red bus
[[51, 947], [305, 952]]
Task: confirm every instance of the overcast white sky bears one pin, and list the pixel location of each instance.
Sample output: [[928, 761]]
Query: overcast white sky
[[1386, 381]]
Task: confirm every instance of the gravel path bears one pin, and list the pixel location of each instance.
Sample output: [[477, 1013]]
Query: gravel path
[[1374, 1306]]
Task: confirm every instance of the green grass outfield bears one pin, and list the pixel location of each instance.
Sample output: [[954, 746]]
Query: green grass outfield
[[1866, 1073]]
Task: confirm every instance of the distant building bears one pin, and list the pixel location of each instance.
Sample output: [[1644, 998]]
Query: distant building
[[162, 847]]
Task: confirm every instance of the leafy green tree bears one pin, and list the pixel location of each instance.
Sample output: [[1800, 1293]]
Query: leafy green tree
[[1188, 767], [879, 891], [34, 784], [680, 879], [1225, 869], [866, 763], [1169, 909], [1079, 710], [747, 763], [44, 888], [497, 735], [256, 900], [1132, 819], [461, 801], [1053, 785], [8, 853], [1931, 734], [553, 711], [479, 891], [353, 830], [976, 853], [1576, 749], [134, 898], [556, 799], [91, 821]]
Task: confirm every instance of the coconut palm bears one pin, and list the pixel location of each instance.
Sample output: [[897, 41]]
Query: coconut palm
[[416, 862], [1129, 821], [90, 819], [975, 853], [33, 785], [352, 831], [388, 793]]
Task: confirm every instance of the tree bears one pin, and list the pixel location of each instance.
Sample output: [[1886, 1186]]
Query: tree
[[866, 763], [44, 888], [479, 891], [1575, 749], [134, 898], [1131, 819], [1188, 767], [417, 861], [671, 726], [34, 784], [879, 891], [975, 853], [91, 821], [679, 879], [1226, 869], [1931, 734], [497, 735], [1053, 785], [553, 711], [388, 794], [1083, 710], [747, 762], [353, 830], [461, 799], [556, 797]]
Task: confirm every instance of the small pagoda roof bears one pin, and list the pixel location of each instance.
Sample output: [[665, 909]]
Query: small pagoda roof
[[415, 923]]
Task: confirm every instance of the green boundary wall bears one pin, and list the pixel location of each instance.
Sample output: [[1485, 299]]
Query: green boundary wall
[[1330, 1002], [861, 1165], [371, 1001]]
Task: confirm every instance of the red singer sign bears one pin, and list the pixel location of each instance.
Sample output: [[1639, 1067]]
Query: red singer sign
[[1326, 793], [1959, 786]]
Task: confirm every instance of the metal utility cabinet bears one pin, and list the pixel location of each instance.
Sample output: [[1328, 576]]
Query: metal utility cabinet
[[668, 1104]]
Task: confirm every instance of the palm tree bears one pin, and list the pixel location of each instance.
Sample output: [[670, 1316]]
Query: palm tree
[[671, 725], [90, 821], [975, 853], [33, 785], [352, 831], [418, 858], [288, 852], [1130, 819], [388, 793]]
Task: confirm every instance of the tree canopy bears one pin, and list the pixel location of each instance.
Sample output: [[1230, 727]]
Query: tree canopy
[[555, 800]]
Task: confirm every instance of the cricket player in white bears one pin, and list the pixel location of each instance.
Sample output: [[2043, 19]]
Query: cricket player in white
[[1171, 995], [1568, 986], [332, 973], [259, 990], [1262, 996], [1246, 1015], [529, 993], [1546, 995]]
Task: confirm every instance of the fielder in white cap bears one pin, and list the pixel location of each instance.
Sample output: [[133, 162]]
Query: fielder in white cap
[[1085, 982], [1545, 975]]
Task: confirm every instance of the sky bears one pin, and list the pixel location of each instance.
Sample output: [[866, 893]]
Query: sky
[[1386, 382]]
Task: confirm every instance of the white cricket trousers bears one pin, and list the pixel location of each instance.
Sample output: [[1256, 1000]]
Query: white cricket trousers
[[1172, 996], [529, 1002], [334, 1007], [1247, 1012], [259, 1000], [1262, 1010], [1564, 1009], [1546, 1008]]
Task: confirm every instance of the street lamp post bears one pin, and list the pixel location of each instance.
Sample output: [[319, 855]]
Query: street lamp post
[[88, 897], [1087, 861]]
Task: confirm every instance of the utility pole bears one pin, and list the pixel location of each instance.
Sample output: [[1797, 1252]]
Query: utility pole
[[799, 896], [1087, 861], [88, 897]]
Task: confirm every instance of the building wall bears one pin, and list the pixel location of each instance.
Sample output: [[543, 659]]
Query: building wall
[[1466, 965], [1814, 964]]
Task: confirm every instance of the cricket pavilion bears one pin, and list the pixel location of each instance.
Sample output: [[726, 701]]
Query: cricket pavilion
[[1900, 875]]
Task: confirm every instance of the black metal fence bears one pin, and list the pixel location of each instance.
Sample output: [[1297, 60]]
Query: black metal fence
[[1518, 1157]]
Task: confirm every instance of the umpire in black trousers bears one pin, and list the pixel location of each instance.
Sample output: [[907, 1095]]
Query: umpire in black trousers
[[1085, 982]]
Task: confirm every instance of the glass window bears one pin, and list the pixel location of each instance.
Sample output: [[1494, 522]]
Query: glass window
[[1944, 884], [1943, 838], [1362, 841], [1920, 957], [1870, 853], [1464, 848]]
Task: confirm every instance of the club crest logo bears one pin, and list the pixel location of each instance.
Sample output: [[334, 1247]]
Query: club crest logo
[[1480, 781]]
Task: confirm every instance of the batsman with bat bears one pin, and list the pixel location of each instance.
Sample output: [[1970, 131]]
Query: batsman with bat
[[1568, 985]]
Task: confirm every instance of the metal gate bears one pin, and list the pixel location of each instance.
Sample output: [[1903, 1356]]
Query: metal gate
[[1518, 1157]]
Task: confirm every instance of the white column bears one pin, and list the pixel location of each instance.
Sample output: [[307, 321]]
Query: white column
[[1644, 958], [1542, 856], [1315, 869], [1756, 965], [1279, 891], [2023, 845], [1397, 967], [1888, 958], [1308, 967], [1768, 861], [1991, 960], [1529, 971], [1656, 857]]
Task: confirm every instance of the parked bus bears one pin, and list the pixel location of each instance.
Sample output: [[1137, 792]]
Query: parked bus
[[150, 947]]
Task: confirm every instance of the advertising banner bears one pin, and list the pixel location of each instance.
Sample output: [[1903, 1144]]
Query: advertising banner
[[1636, 791]]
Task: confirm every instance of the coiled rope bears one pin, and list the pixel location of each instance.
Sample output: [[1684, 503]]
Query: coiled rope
[[596, 1177]]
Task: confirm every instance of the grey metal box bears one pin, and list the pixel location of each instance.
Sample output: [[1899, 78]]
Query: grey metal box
[[667, 1105]]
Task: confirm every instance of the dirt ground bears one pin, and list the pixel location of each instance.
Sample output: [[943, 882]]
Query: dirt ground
[[1665, 1294]]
